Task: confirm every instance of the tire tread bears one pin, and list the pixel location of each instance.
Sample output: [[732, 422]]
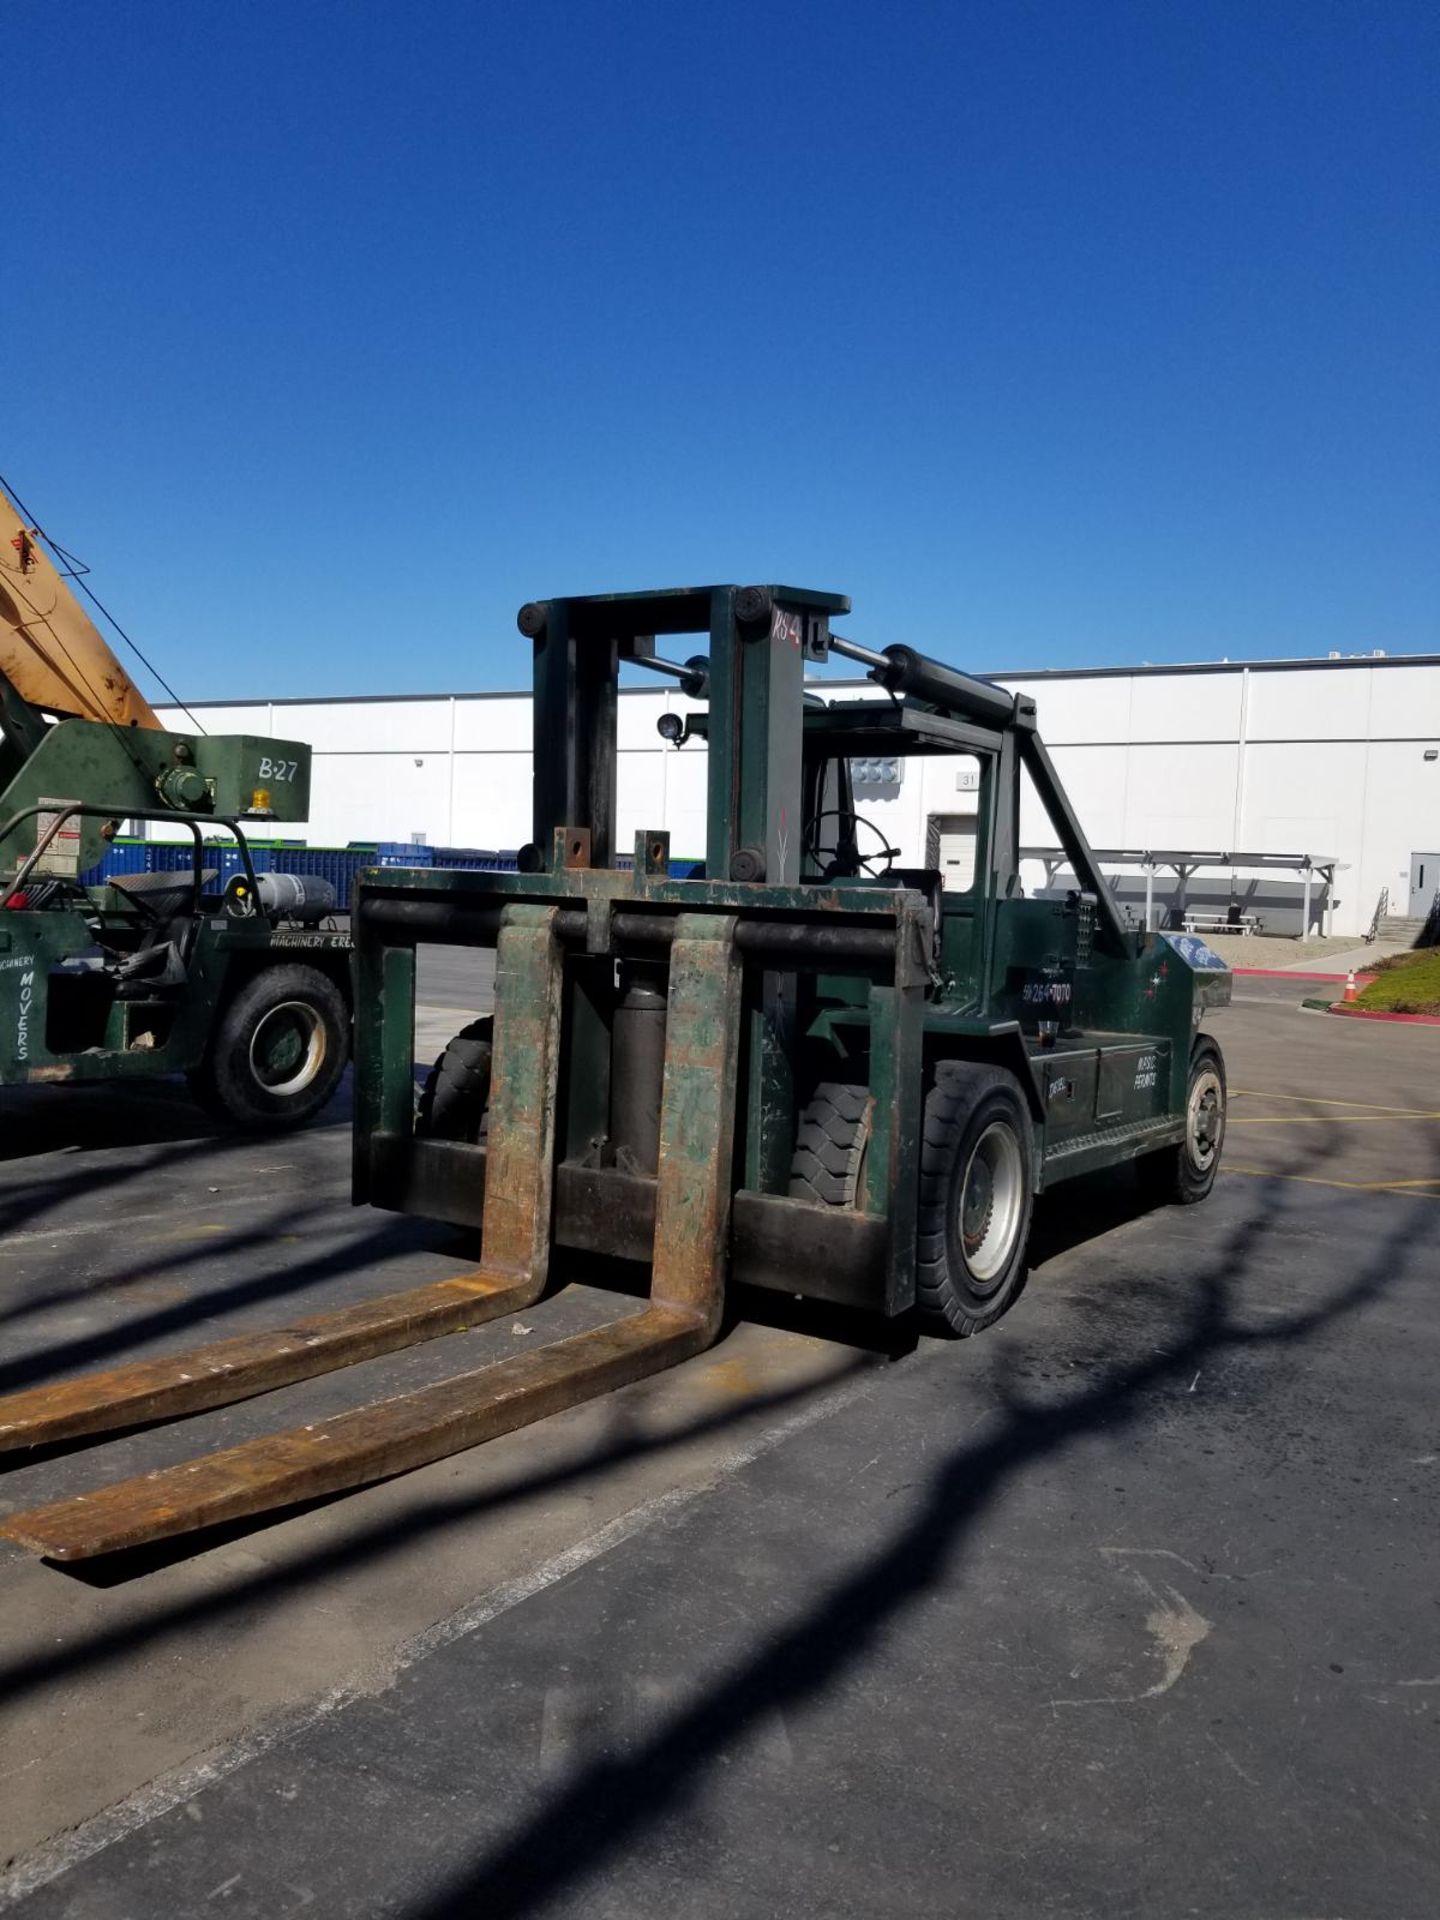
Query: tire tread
[[457, 1088], [830, 1145], [957, 1090], [224, 1090]]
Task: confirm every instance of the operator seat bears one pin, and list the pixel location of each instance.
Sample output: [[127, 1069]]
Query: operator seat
[[170, 902]]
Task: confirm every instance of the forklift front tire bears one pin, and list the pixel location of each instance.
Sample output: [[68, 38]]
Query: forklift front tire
[[977, 1189], [457, 1088], [279, 1050], [1182, 1175]]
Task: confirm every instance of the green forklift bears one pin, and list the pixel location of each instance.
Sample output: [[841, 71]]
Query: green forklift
[[811, 1067], [240, 987]]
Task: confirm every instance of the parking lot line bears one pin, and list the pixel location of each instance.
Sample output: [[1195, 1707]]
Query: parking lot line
[[1406, 1189], [1321, 1119], [1320, 1100], [26, 1874]]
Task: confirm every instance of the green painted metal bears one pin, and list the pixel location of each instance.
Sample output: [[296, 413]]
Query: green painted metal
[[896, 1053], [690, 1260], [62, 1015], [136, 770], [528, 991], [59, 1024], [384, 1033], [845, 974], [697, 1119], [783, 967]]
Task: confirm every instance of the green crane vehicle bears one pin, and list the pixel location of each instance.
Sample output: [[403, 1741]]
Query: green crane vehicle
[[809, 1068], [151, 973]]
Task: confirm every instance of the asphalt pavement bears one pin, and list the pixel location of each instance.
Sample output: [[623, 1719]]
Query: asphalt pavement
[[1126, 1608]]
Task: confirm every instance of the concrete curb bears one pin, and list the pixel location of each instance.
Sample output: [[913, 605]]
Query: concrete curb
[[1289, 973], [1375, 1013]]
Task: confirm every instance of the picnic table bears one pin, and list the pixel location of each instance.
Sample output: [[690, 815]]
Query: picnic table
[[1242, 923]]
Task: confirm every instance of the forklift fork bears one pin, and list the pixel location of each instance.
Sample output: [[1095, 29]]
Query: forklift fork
[[691, 1251], [515, 1249]]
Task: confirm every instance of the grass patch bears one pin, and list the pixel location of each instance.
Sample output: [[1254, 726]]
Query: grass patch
[[1392, 961], [1405, 983]]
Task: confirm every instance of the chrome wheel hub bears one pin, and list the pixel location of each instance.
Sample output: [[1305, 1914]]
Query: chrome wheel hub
[[1205, 1119], [990, 1204]]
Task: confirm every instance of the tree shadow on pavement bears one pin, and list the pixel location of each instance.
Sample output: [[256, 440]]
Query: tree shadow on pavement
[[101, 1114], [359, 1251], [607, 1804], [389, 1536], [133, 1135]]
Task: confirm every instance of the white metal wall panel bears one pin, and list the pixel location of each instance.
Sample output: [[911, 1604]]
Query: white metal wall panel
[[494, 725], [1096, 779], [1079, 710], [492, 801], [361, 796], [250, 716], [1208, 710], [948, 783], [1179, 796], [1402, 808], [1131, 750], [636, 714], [358, 726], [1310, 706], [1405, 704], [639, 797], [687, 771], [1305, 797]]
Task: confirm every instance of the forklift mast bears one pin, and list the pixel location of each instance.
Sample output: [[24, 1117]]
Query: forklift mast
[[761, 727]]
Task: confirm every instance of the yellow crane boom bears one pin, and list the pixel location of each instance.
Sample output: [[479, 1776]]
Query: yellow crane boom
[[51, 652]]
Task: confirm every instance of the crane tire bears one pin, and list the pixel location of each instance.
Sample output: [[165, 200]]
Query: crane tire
[[278, 1051]]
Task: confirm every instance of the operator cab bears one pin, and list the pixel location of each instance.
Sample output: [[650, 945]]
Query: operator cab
[[842, 842]]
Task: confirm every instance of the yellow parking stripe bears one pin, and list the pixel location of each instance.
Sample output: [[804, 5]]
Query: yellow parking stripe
[[1321, 1119], [1403, 1188], [1319, 1100]]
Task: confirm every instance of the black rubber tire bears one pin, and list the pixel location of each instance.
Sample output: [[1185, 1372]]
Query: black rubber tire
[[1174, 1177], [964, 1103], [830, 1145], [457, 1088], [227, 1082]]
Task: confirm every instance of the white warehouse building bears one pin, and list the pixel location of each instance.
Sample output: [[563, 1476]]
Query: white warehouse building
[[1332, 761]]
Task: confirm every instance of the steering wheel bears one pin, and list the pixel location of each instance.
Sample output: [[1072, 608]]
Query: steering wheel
[[865, 861]]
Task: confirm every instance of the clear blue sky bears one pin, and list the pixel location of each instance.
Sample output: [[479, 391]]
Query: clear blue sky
[[1055, 334]]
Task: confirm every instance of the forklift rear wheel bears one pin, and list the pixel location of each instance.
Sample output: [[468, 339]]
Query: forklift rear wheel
[[977, 1185], [1184, 1174], [457, 1088], [830, 1145], [279, 1050]]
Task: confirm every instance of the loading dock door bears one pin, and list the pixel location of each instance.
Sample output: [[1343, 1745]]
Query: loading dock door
[[1424, 883], [956, 859]]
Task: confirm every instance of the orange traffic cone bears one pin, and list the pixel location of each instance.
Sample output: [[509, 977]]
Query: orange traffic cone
[[1349, 993]]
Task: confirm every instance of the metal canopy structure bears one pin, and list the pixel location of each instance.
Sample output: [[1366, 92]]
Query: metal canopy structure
[[1183, 863]]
